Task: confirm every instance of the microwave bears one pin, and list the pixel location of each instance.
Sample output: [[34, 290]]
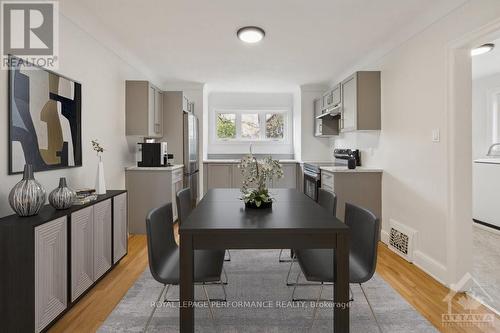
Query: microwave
[[152, 154]]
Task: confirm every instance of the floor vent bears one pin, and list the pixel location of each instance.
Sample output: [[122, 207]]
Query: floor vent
[[401, 240]]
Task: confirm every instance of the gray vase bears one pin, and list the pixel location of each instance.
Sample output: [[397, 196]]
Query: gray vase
[[62, 197], [28, 196]]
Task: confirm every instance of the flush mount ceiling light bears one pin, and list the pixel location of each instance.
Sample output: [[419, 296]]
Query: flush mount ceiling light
[[482, 49], [250, 35]]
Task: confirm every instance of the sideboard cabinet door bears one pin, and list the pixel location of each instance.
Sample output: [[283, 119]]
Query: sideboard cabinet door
[[50, 271], [119, 226], [102, 238], [82, 251]]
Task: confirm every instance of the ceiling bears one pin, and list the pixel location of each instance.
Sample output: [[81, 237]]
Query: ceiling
[[488, 63], [306, 42]]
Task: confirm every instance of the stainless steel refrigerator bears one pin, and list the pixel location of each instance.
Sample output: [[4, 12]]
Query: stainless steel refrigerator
[[191, 155]]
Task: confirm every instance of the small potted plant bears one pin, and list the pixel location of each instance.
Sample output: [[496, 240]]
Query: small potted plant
[[100, 183], [256, 176]]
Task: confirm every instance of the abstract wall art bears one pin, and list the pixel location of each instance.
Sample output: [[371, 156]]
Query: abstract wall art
[[44, 119]]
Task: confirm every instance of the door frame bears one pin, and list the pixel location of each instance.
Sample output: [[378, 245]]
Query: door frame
[[459, 148]]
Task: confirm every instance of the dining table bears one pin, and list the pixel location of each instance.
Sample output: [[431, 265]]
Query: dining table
[[295, 221]]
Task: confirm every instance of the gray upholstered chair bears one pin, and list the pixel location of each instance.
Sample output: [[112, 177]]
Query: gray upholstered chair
[[163, 256], [327, 200], [318, 265], [184, 208]]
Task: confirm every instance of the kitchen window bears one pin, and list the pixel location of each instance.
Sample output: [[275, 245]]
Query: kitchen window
[[252, 125]]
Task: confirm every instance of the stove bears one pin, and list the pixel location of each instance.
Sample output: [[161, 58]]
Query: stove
[[312, 172]]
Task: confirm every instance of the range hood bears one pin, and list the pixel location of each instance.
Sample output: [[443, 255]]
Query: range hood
[[330, 112]]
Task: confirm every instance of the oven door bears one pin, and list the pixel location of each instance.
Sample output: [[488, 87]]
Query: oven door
[[311, 184]]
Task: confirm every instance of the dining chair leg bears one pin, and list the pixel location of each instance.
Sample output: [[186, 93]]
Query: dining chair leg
[[154, 309], [289, 271], [228, 256], [166, 294], [316, 304], [225, 276], [224, 291], [209, 302], [351, 294], [283, 260], [295, 285], [371, 309]]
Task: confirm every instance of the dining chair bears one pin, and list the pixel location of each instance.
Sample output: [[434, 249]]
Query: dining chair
[[327, 200], [318, 264], [184, 209], [163, 257]]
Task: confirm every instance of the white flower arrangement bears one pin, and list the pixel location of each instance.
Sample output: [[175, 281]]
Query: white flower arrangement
[[256, 175]]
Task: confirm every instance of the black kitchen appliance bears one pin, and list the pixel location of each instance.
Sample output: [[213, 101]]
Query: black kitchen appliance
[[152, 154]]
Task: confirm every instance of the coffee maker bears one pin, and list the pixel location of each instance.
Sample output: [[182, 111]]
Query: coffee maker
[[152, 154]]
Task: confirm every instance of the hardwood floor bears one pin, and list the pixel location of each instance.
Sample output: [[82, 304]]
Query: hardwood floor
[[418, 288], [93, 309]]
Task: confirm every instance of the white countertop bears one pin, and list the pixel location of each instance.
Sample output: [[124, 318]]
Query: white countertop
[[345, 169], [169, 168], [238, 161], [490, 160]]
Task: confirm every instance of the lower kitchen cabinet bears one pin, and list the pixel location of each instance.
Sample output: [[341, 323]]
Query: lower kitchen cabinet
[[289, 179], [120, 224], [219, 175], [177, 185], [50, 260]]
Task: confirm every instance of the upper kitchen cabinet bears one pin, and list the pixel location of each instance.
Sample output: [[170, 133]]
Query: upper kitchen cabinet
[[144, 109], [360, 95], [325, 125], [331, 99]]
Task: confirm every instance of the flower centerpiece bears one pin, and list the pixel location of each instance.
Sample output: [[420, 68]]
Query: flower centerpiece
[[256, 176]]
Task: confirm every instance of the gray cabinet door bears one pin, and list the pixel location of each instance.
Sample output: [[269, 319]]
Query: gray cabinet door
[[102, 238], [219, 176], [349, 105], [158, 115], [289, 179], [120, 233], [82, 251], [50, 271]]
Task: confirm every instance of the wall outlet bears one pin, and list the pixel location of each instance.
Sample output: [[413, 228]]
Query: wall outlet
[[436, 135]]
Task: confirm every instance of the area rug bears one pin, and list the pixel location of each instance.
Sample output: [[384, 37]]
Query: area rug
[[258, 301]]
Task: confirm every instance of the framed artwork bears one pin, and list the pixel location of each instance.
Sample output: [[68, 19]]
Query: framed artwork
[[45, 127]]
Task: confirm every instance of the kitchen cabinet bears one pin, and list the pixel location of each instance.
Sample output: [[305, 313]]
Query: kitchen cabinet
[[177, 185], [289, 179], [150, 188], [143, 109], [325, 125], [49, 261], [219, 175], [331, 98], [361, 102], [50, 245], [120, 233]]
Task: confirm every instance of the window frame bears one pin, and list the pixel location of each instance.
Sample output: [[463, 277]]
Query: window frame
[[287, 124]]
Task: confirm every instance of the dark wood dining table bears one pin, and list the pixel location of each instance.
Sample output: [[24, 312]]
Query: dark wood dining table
[[221, 221]]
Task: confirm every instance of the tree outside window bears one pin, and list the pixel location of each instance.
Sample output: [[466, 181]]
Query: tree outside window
[[275, 125], [226, 125]]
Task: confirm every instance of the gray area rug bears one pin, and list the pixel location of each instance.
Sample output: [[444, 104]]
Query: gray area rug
[[257, 276]]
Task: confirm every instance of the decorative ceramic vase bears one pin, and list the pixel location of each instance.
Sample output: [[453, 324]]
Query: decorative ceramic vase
[[62, 197], [28, 196], [100, 183]]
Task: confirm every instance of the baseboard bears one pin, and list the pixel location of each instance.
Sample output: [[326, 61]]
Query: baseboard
[[432, 267], [486, 227], [384, 237]]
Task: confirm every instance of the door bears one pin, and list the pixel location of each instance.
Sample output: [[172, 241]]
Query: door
[[349, 105], [120, 233], [50, 271], [102, 238], [82, 251]]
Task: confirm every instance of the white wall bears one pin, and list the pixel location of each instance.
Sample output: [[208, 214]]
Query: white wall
[[102, 74], [484, 91], [414, 102], [314, 149], [249, 101]]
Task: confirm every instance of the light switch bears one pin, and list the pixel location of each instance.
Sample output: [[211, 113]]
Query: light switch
[[436, 136]]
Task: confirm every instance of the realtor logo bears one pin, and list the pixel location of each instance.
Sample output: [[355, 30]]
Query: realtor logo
[[30, 32]]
